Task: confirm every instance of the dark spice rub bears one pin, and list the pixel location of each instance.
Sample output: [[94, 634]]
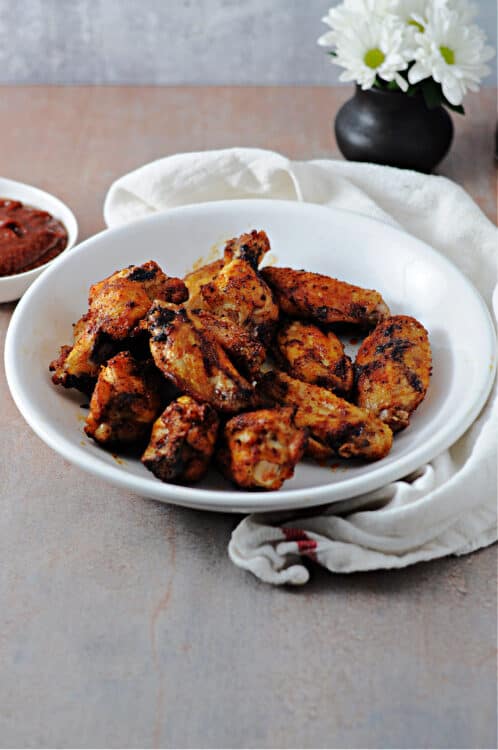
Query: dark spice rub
[[393, 367], [313, 296]]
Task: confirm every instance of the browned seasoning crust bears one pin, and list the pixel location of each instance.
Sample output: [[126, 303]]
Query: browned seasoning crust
[[194, 361], [239, 292], [209, 354], [147, 280], [245, 351], [77, 366], [347, 430], [393, 368], [314, 356], [182, 441], [319, 452], [196, 279], [260, 449], [312, 296], [117, 304], [124, 403]]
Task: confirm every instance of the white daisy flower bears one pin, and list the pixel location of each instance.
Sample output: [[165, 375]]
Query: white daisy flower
[[347, 14], [373, 46], [414, 13], [464, 10], [407, 9], [451, 52]]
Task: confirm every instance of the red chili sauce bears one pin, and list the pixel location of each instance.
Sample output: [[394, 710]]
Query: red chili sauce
[[29, 237]]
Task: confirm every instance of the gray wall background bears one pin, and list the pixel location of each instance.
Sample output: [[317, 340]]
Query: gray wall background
[[172, 41]]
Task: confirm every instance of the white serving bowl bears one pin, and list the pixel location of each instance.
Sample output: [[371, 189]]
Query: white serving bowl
[[12, 287], [413, 278]]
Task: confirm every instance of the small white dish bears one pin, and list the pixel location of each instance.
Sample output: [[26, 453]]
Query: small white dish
[[413, 278], [12, 287]]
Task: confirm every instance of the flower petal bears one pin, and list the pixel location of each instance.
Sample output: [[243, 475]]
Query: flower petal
[[452, 90], [402, 82], [418, 72], [327, 40]]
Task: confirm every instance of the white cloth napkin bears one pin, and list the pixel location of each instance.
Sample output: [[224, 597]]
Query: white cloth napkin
[[448, 506]]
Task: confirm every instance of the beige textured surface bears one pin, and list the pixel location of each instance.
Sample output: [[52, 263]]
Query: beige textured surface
[[122, 622]]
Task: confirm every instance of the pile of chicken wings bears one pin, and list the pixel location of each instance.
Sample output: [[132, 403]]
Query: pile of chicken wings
[[241, 366]]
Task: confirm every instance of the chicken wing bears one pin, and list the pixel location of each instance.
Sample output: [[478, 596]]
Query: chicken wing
[[244, 350], [124, 403], [239, 292], [116, 305], [141, 285], [316, 357], [194, 361], [260, 449], [312, 296], [393, 368], [182, 441], [78, 366], [349, 431], [196, 279]]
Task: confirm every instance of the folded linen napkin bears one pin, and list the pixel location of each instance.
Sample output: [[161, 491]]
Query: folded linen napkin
[[448, 506]]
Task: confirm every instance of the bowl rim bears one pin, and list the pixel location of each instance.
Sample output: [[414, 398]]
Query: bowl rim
[[240, 501], [72, 231]]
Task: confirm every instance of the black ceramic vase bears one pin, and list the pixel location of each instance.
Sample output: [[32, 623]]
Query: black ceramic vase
[[389, 127]]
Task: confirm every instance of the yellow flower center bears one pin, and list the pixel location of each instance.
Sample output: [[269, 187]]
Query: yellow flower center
[[417, 25], [374, 57], [448, 54]]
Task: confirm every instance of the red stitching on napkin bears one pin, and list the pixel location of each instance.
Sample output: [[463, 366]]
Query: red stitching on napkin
[[305, 545]]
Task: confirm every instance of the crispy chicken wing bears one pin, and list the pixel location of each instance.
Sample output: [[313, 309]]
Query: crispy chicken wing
[[251, 247], [239, 292], [318, 451], [148, 277], [244, 350], [194, 361], [78, 366], [312, 296], [209, 336], [349, 431], [196, 279], [116, 305], [260, 449], [182, 441], [393, 367], [125, 402], [314, 356]]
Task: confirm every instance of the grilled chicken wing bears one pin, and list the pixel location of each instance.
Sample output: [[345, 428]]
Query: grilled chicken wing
[[393, 367], [260, 449], [208, 335], [312, 296], [318, 451], [244, 350], [78, 366], [125, 402], [194, 361], [182, 441], [316, 357], [133, 283], [196, 279], [116, 305], [239, 292], [350, 432]]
